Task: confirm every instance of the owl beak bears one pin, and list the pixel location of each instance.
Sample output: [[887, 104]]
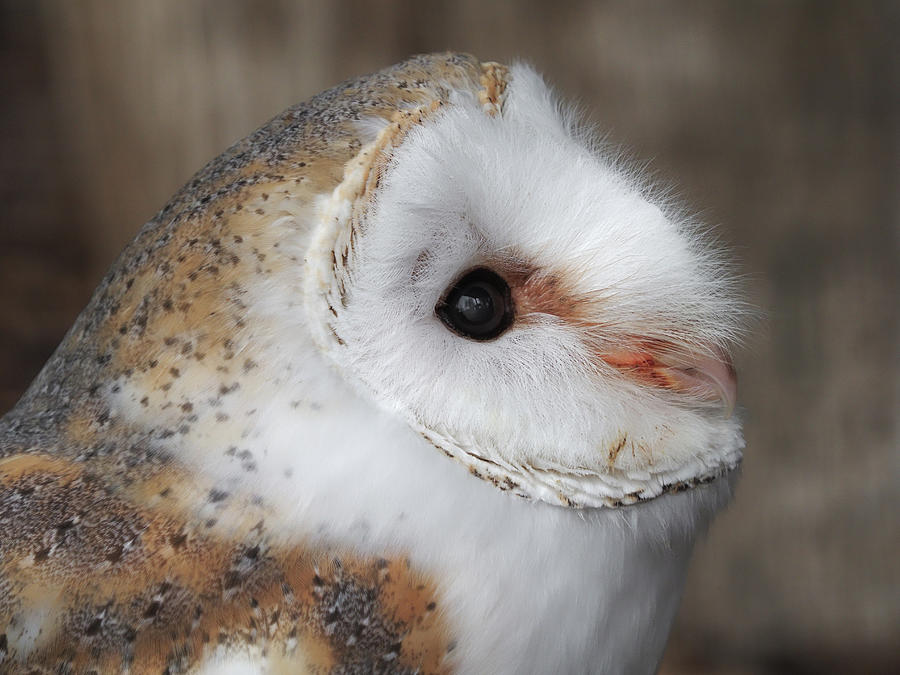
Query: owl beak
[[708, 376]]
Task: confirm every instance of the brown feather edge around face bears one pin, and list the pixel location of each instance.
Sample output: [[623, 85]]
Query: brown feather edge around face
[[101, 545]]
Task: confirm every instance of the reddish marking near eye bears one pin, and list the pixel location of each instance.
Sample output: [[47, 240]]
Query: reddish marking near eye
[[535, 291]]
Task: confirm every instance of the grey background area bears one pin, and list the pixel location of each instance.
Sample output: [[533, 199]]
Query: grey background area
[[778, 121]]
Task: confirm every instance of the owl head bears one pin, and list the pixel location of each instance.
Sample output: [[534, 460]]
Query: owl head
[[525, 301]]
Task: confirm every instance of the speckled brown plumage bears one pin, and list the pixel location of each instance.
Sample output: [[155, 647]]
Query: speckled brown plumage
[[100, 532], [136, 586]]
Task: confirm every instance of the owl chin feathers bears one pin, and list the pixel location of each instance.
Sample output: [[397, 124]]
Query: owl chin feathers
[[611, 384]]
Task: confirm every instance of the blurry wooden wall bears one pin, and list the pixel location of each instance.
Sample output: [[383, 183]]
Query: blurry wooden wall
[[778, 120]]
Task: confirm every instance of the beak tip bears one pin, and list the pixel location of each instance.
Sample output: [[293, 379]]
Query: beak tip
[[708, 376]]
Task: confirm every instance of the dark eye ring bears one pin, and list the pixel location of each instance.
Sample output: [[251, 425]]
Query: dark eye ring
[[478, 305]]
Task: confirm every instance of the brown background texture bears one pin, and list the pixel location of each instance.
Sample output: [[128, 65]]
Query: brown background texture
[[779, 122]]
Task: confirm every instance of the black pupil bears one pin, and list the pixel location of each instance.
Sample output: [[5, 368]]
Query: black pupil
[[475, 304], [478, 306]]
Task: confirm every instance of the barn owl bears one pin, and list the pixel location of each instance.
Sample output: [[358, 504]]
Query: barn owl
[[416, 378]]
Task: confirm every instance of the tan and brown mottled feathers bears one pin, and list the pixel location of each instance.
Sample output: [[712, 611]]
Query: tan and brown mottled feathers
[[116, 584]]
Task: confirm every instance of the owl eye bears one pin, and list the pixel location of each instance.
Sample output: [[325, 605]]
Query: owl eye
[[478, 306]]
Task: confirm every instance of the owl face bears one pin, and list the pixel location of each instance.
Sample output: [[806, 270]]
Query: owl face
[[523, 301]]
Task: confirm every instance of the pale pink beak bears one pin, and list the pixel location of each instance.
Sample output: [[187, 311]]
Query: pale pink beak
[[709, 376]]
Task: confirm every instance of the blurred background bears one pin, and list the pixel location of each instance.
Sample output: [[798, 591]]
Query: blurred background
[[779, 122]]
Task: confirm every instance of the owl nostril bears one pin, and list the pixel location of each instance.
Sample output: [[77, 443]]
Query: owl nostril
[[478, 306]]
